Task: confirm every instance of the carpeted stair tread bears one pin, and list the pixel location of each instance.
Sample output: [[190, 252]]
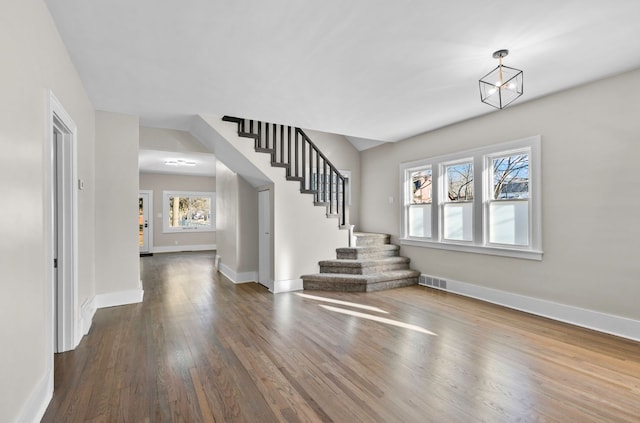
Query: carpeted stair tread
[[361, 283], [363, 262], [371, 239], [369, 248], [378, 277], [369, 252]]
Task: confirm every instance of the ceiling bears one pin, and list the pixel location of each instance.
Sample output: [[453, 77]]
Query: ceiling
[[154, 161], [368, 69]]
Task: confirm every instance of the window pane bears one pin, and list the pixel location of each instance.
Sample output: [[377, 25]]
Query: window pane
[[421, 187], [189, 212], [511, 177], [458, 221], [459, 182], [420, 220], [509, 222]]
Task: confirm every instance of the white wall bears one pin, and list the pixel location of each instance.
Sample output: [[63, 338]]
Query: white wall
[[159, 182], [34, 60], [591, 206], [117, 248], [345, 157], [236, 225], [226, 215], [169, 140], [248, 227]]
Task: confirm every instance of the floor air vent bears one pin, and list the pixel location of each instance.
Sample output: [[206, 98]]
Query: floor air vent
[[432, 281]]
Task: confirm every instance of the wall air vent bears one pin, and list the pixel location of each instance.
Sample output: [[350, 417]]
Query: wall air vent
[[432, 282]]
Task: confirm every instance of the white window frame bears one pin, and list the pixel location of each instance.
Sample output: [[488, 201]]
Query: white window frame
[[481, 158], [488, 195], [407, 193], [444, 197], [166, 228]]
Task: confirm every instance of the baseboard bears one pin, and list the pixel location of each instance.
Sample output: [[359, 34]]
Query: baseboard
[[590, 319], [242, 277], [113, 299], [183, 248], [87, 312], [35, 407], [286, 286]]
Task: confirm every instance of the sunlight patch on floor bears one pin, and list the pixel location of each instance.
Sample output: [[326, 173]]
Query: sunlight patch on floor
[[379, 319], [345, 303]]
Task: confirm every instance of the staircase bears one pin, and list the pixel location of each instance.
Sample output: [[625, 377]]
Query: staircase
[[372, 265], [290, 148]]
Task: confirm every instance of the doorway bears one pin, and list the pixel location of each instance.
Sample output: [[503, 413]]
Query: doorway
[[61, 233], [264, 238], [145, 231]]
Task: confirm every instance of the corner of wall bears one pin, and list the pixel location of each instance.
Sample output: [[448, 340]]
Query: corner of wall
[[237, 277], [87, 311], [118, 298]]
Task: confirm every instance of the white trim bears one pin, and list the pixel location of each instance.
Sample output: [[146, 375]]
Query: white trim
[[287, 286], [149, 192], [183, 248], [113, 299], [480, 243], [602, 322], [70, 335], [36, 405], [87, 312], [468, 248], [265, 238], [235, 277]]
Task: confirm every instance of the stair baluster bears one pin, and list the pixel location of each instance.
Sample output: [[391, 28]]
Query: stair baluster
[[303, 161]]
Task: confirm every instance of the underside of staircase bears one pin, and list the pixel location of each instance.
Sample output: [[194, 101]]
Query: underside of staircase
[[372, 265]]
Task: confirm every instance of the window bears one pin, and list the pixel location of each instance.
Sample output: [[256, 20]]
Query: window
[[457, 204], [484, 201], [508, 202], [419, 206], [188, 211]]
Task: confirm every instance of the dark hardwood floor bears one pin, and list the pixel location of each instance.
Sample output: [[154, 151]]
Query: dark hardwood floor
[[200, 349]]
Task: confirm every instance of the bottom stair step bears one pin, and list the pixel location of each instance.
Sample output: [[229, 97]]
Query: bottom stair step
[[360, 283]]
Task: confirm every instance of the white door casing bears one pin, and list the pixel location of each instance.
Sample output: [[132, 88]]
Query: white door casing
[[61, 229], [146, 198], [264, 239]]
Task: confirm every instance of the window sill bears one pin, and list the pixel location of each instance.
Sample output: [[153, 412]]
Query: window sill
[[477, 249], [186, 230]]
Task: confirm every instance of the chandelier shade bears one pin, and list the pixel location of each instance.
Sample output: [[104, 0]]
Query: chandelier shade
[[502, 85]]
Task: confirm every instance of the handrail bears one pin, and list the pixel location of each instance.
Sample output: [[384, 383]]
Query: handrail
[[303, 161]]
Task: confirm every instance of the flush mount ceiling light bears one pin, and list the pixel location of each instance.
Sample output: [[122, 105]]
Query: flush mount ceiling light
[[179, 162], [502, 85]]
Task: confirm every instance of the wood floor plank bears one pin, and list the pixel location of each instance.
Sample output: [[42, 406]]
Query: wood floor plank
[[201, 349]]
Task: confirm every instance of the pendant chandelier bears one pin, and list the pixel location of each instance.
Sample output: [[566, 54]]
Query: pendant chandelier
[[502, 85]]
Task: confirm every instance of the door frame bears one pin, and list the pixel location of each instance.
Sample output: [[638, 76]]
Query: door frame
[[61, 308], [265, 258], [149, 194]]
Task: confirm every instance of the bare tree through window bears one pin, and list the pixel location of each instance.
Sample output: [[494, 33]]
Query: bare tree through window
[[460, 182], [511, 177], [189, 211]]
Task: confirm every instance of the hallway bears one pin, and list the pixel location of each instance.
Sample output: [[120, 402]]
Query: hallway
[[202, 349]]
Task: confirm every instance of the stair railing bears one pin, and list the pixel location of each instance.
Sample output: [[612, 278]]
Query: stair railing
[[292, 149]]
